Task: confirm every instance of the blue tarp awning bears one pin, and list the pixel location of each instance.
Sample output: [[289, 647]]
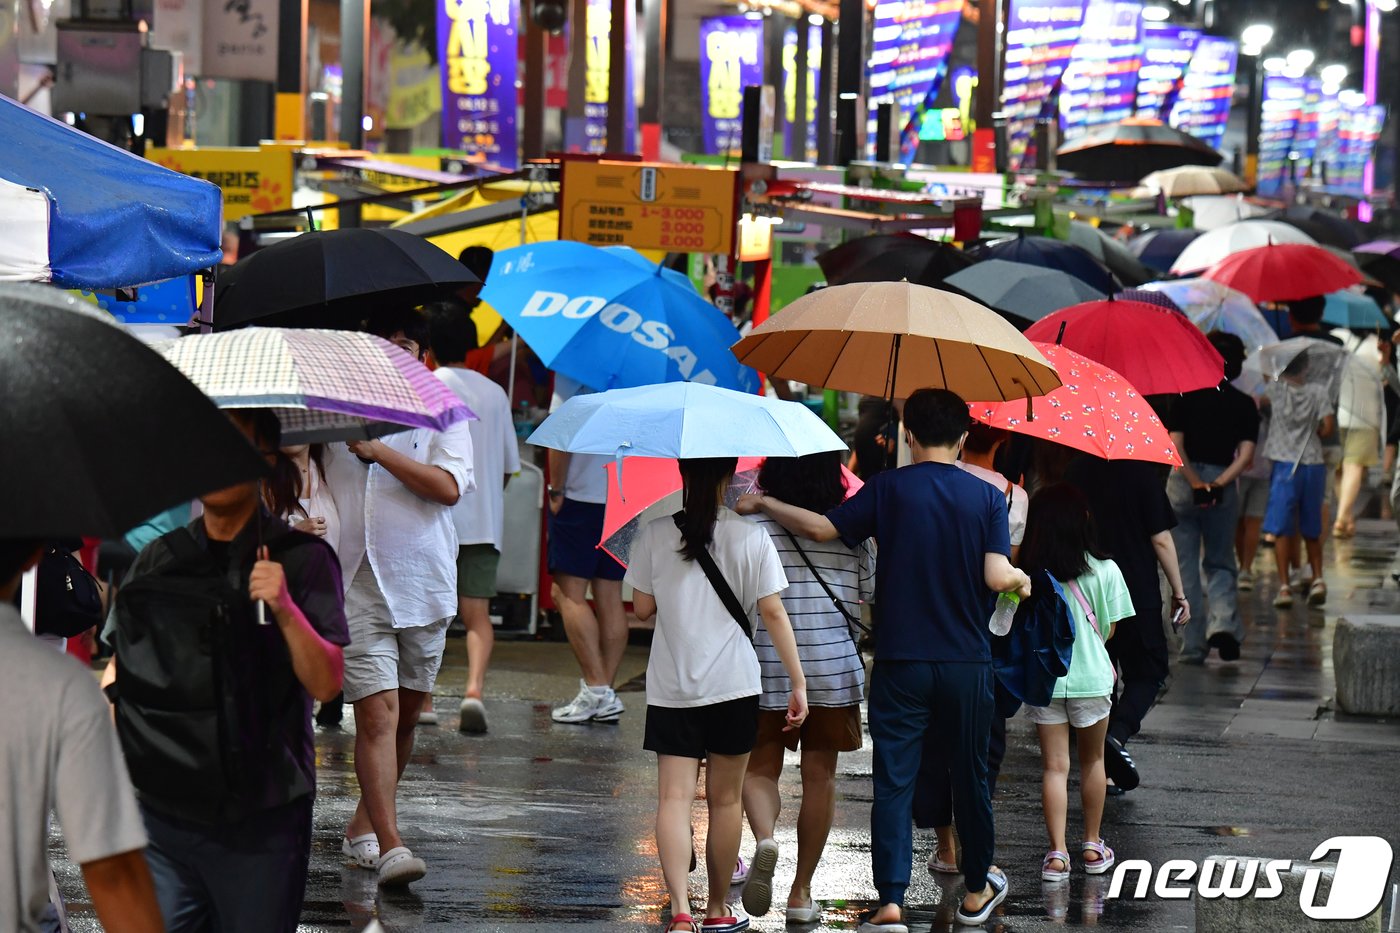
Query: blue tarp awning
[[113, 219]]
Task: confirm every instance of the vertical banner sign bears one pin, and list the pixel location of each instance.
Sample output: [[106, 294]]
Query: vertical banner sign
[[1305, 135], [1203, 109], [1359, 128], [1040, 38], [1328, 128], [910, 45], [731, 58], [478, 53], [240, 40], [814, 77], [591, 135], [1166, 51], [1281, 110], [1100, 84]]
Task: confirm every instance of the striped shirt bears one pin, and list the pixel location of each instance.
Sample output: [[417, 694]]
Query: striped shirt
[[834, 669]]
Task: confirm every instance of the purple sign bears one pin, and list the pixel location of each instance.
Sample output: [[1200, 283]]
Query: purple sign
[[590, 134], [1203, 108], [731, 58], [1040, 38], [1166, 51], [814, 80], [1281, 110], [1305, 136], [1100, 84], [478, 52], [910, 43], [1359, 128]]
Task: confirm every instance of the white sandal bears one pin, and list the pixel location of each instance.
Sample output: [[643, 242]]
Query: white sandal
[[363, 851], [399, 867]]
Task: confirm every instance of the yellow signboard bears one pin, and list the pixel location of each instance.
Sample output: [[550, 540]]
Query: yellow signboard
[[254, 181], [646, 205]]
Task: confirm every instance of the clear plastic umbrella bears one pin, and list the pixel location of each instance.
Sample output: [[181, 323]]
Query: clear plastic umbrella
[[1212, 306]]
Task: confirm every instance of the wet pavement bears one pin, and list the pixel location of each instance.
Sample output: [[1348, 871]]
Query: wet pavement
[[536, 825]]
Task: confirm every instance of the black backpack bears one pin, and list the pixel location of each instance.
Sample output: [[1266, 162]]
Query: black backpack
[[206, 700]]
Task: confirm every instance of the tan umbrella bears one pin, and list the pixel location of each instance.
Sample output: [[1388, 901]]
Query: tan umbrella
[[1190, 180], [891, 338]]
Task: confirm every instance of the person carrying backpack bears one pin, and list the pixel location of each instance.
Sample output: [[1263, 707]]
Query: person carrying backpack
[[703, 573], [212, 699]]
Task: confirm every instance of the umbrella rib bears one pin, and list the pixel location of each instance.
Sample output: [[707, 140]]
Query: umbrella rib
[[846, 338], [992, 372]]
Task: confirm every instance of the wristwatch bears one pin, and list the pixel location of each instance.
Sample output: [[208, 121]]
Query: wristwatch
[[555, 493]]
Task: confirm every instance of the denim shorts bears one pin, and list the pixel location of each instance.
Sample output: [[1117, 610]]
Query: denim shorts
[[575, 532], [1296, 494]]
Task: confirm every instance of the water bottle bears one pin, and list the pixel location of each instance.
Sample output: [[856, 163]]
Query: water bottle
[[1005, 612]]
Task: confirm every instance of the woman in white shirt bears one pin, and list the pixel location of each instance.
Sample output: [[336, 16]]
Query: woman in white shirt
[[301, 497], [703, 678]]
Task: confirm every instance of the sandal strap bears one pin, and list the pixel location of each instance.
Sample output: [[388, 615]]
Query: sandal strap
[[1098, 847], [1052, 856]]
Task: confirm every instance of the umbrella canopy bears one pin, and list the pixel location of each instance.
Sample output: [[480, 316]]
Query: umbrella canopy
[[1212, 306], [1132, 149], [1021, 291], [891, 338], [100, 432], [1210, 248], [1285, 272], [1323, 226], [892, 258], [1158, 351], [1158, 249], [1187, 180], [1096, 411], [1351, 375], [1381, 260], [1354, 311], [1049, 254], [335, 278], [1149, 297], [1213, 211], [1114, 254], [324, 385], [684, 420], [610, 318]]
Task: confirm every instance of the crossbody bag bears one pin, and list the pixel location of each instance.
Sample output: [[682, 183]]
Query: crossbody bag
[[726, 595], [1093, 621], [840, 607]]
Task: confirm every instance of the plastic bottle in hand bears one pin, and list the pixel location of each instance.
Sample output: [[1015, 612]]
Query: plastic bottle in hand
[[1005, 612]]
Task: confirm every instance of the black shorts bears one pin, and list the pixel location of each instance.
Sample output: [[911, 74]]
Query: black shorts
[[728, 728]]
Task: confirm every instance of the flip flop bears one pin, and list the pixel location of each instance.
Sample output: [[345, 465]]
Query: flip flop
[[399, 867], [363, 851], [999, 889], [758, 891], [894, 926]]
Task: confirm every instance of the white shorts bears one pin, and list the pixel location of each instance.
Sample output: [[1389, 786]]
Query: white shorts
[[1079, 712], [381, 657]]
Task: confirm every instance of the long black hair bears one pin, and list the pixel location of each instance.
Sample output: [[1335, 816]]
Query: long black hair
[[1060, 533], [700, 500], [283, 488], [814, 482]]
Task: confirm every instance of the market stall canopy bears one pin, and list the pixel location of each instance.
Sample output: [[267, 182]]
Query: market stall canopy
[[82, 214]]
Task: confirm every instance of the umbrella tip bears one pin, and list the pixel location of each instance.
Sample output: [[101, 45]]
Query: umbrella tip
[[1060, 337]]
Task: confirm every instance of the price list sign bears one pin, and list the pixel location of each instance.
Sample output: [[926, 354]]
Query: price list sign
[[1281, 110], [1203, 108], [910, 44], [1166, 51], [1040, 39], [1100, 84], [676, 208]]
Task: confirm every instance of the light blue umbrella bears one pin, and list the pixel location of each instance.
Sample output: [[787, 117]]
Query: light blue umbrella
[[684, 420], [1349, 309], [610, 318]]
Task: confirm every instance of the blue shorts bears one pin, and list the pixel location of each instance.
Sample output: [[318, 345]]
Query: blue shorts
[[574, 535], [1295, 500]]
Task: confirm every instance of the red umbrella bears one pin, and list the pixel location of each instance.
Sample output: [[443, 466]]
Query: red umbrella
[[1095, 410], [1284, 272], [1160, 352]]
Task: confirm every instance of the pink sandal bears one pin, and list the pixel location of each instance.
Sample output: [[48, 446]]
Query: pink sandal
[[682, 918], [1050, 874], [1104, 861]]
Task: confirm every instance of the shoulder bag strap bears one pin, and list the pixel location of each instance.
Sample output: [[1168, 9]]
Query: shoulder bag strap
[[1088, 610], [726, 594], [845, 613]]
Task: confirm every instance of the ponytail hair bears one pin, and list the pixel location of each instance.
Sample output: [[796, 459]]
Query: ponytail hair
[[700, 501]]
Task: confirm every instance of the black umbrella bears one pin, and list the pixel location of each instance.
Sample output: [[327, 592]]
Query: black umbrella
[[1021, 292], [1381, 260], [334, 278], [1158, 249], [895, 257], [1129, 150], [1049, 254], [99, 432], [1324, 227]]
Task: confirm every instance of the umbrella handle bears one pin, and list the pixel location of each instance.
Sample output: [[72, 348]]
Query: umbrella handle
[[1030, 412]]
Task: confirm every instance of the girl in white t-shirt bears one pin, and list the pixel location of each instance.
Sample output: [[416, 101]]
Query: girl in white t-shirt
[[703, 681]]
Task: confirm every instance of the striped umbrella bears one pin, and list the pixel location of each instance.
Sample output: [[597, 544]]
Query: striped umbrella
[[324, 385]]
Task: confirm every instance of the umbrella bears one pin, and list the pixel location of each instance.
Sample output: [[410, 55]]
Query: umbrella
[[684, 420], [1187, 180], [1212, 306], [610, 318], [1096, 411], [1158, 351], [1049, 254], [1149, 297], [1356, 312], [1381, 259], [1213, 211], [892, 258], [1324, 227], [1211, 247], [891, 338], [1158, 249], [1353, 382], [1284, 272], [1114, 254], [324, 385], [335, 278], [1131, 149], [1019, 290], [100, 432]]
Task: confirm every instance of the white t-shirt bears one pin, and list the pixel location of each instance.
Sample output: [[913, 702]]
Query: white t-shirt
[[587, 478], [1018, 506], [699, 655], [319, 504], [58, 751], [480, 514]]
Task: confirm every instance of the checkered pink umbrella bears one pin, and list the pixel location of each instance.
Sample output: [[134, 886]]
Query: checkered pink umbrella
[[324, 385]]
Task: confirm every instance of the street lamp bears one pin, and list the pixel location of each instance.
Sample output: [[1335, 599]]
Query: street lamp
[[1156, 14], [1333, 74], [1274, 63], [1252, 42], [1300, 59]]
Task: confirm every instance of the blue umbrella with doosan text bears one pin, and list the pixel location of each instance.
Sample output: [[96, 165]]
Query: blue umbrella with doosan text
[[612, 319]]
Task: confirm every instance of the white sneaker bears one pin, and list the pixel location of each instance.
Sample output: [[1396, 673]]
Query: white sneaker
[[473, 716], [609, 709], [588, 705]]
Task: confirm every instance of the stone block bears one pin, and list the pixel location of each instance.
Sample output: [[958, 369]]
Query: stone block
[[1281, 914], [1366, 659]]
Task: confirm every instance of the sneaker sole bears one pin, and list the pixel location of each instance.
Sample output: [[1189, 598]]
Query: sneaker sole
[[758, 892], [473, 719], [1120, 767], [608, 715]]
